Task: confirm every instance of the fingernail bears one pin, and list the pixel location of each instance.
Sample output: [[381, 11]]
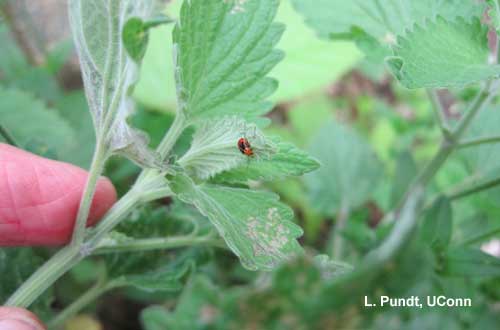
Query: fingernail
[[17, 325]]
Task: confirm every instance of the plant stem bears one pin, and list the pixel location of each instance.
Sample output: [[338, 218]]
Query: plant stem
[[96, 169], [90, 295], [114, 216], [477, 141], [161, 244], [400, 233], [340, 223], [474, 188], [482, 237], [7, 136], [69, 256], [438, 111], [408, 215], [172, 135], [45, 276], [482, 99]]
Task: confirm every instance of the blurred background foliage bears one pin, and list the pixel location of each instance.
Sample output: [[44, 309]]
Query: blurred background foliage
[[371, 136]]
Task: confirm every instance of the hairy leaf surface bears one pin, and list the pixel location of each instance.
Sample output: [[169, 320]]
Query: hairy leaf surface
[[223, 55], [443, 54], [287, 161], [375, 24], [215, 147], [108, 72], [254, 224]]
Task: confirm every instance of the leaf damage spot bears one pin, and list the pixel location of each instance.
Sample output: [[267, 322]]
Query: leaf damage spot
[[269, 236]]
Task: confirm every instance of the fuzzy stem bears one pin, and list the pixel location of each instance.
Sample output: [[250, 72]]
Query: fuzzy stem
[[438, 111], [338, 241], [86, 298], [477, 141], [161, 243], [474, 188], [45, 276], [95, 171]]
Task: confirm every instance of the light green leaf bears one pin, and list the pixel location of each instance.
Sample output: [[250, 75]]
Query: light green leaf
[[310, 64], [254, 224], [437, 225], [349, 173], [108, 72], [462, 60], [287, 161], [215, 147], [378, 22], [463, 261], [31, 123], [223, 56], [301, 72]]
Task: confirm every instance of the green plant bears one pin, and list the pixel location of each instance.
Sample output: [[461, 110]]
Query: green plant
[[412, 197], [222, 86]]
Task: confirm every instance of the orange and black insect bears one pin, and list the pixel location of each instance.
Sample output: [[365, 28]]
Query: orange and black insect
[[245, 147]]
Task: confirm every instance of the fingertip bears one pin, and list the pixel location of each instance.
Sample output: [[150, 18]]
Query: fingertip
[[19, 319], [105, 196]]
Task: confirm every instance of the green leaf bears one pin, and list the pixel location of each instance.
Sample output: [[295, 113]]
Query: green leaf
[[108, 73], [287, 161], [437, 225], [463, 261], [223, 57], [406, 171], [254, 224], [16, 266], [12, 59], [198, 298], [378, 23], [301, 72], [215, 147], [463, 55], [135, 38], [349, 173], [156, 280], [74, 109], [135, 35], [32, 124]]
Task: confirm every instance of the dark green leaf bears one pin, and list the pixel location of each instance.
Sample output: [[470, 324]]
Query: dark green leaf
[[197, 308], [33, 125], [463, 261], [437, 225], [349, 173], [406, 171], [135, 35], [135, 38]]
